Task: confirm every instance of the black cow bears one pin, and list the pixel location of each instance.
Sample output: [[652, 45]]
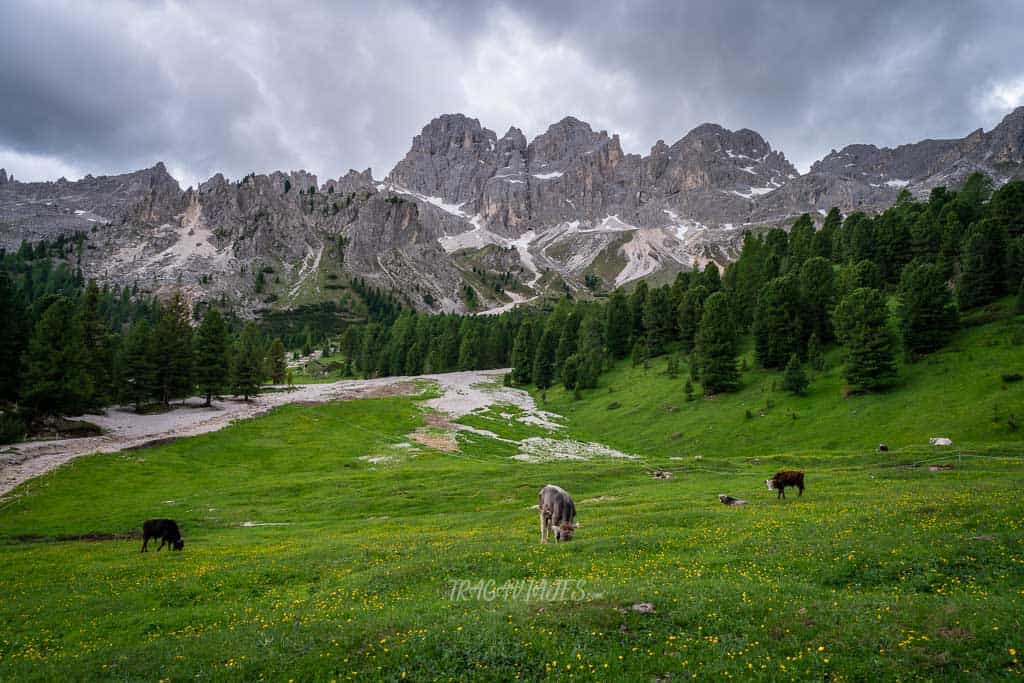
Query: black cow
[[786, 478], [164, 529]]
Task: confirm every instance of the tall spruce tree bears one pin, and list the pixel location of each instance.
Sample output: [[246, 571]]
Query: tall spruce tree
[[96, 346], [862, 325], [691, 308], [717, 346], [173, 347], [247, 363], [777, 325], [928, 316], [544, 358], [818, 297], [590, 351], [659, 321], [983, 277], [13, 337], [619, 325], [522, 354], [213, 363], [276, 361], [55, 374], [801, 243], [137, 380]]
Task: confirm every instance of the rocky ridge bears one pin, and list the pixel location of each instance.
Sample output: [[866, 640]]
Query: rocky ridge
[[468, 220]]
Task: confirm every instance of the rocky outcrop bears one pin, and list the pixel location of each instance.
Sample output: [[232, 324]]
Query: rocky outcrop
[[566, 207]]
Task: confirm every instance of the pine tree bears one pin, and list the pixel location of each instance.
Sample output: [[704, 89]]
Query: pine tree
[[862, 325], [246, 367], [637, 300], [858, 236], [544, 359], [12, 338], [928, 316], [691, 308], [659, 321], [469, 349], [55, 375], [818, 297], [795, 380], [824, 239], [277, 361], [777, 325], [97, 347], [716, 349], [522, 354], [619, 325], [801, 243], [983, 278], [570, 372], [137, 366], [172, 339], [711, 278], [567, 338], [212, 360]]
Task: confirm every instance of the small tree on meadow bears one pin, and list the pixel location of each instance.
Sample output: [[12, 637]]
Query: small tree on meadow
[[795, 379], [815, 357]]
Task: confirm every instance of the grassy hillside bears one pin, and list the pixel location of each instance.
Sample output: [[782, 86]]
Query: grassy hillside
[[957, 393], [880, 571]]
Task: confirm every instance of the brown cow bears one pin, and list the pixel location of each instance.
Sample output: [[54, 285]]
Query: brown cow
[[786, 478]]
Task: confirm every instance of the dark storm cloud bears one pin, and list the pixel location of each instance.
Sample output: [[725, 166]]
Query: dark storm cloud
[[206, 87]]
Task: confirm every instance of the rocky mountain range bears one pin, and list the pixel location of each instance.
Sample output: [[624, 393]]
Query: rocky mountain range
[[471, 221]]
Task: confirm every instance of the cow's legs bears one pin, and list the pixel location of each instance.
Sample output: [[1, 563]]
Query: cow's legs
[[801, 491], [543, 529], [162, 542], [145, 542], [782, 492]]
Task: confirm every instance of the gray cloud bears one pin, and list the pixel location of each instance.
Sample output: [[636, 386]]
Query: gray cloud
[[206, 87]]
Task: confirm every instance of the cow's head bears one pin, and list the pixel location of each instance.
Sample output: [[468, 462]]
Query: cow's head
[[770, 483], [179, 544], [565, 531]]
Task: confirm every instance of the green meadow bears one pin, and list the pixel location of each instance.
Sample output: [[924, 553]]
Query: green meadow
[[322, 543]]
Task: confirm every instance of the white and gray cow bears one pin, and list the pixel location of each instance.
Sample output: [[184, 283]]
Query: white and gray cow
[[557, 513]]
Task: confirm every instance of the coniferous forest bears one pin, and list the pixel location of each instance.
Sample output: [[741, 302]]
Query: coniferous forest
[[882, 287]]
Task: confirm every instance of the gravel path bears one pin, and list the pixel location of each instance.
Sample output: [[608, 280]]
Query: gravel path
[[124, 429]]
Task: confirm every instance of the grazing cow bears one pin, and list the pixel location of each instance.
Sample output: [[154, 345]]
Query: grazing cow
[[786, 478], [164, 529], [940, 441], [557, 513]]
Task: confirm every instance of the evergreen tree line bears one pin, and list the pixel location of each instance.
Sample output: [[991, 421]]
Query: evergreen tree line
[[68, 347]]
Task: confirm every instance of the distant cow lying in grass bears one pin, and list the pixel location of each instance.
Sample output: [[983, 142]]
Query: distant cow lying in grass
[[164, 529], [786, 478], [557, 513]]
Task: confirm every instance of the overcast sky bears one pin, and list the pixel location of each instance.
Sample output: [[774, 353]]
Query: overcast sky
[[107, 87]]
